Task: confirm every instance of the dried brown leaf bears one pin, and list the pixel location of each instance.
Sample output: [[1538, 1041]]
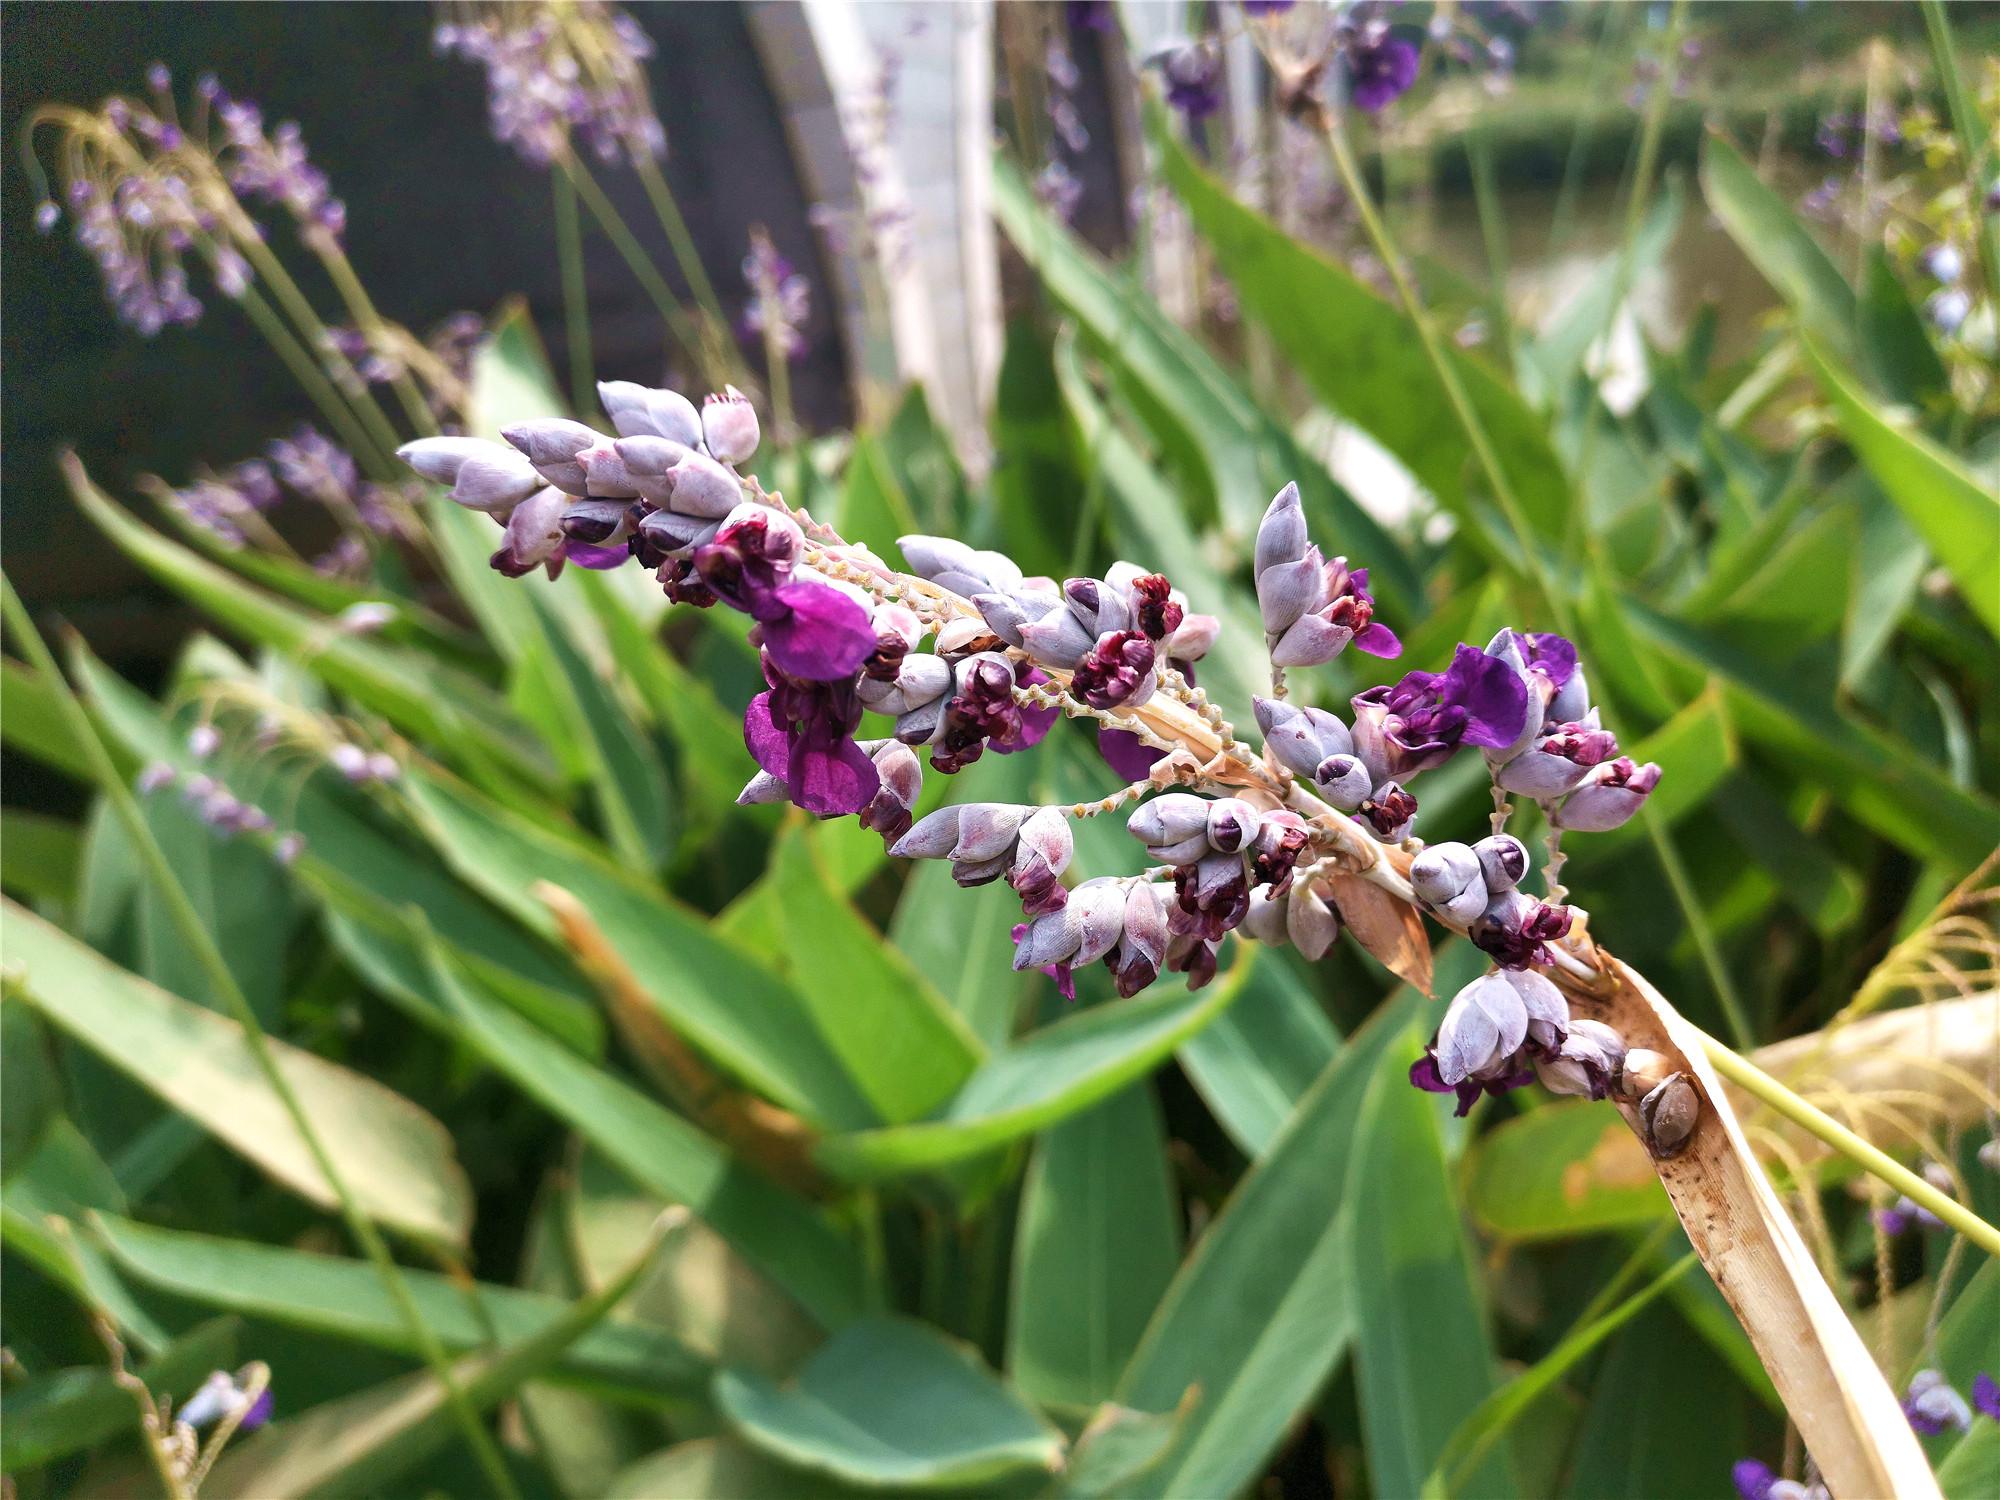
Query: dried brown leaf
[[1390, 929]]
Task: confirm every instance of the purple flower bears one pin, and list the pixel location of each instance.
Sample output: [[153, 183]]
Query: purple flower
[[814, 631], [1517, 929], [1193, 73], [752, 554], [1753, 1479], [1495, 1029], [1608, 797], [1117, 670], [1092, 15], [1417, 723], [1933, 1406], [1127, 754], [1381, 66], [1986, 1395], [1558, 761], [983, 711], [1267, 7], [801, 732]]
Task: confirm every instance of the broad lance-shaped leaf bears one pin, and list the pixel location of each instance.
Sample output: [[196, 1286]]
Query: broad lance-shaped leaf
[[903, 1046], [1777, 244], [1263, 1307], [1193, 403], [1096, 1243], [715, 994], [1045, 1077], [1254, 1062], [394, 1158], [1422, 1359], [1363, 359], [724, 1468], [1957, 516], [344, 1299], [1562, 1170], [417, 694], [357, 1444], [778, 1232], [886, 1402]]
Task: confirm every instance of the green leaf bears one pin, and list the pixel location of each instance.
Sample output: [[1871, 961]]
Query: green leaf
[[1118, 1448], [1957, 516], [776, 1232], [1769, 233], [721, 1469], [707, 989], [1561, 1170], [1045, 1077], [892, 1402], [67, 1411], [1643, 1434], [345, 1299], [874, 511], [1263, 1308], [1696, 751], [44, 855], [1193, 402], [1096, 1245], [32, 722], [394, 1158], [1878, 777], [1256, 1060], [1422, 1359], [1971, 1471], [1895, 346], [1363, 358], [357, 1444], [1038, 471], [903, 1046]]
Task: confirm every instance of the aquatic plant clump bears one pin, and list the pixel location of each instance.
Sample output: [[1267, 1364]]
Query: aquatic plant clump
[[959, 653]]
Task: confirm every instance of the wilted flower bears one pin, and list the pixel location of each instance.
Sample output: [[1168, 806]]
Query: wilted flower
[[1933, 1406]]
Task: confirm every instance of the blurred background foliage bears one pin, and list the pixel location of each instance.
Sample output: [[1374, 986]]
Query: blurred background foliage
[[938, 1229]]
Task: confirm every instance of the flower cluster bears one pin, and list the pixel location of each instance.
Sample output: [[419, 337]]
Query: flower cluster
[[963, 653], [558, 71], [780, 299]]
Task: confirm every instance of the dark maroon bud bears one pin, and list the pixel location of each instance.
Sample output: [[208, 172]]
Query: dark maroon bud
[[1118, 669], [1275, 855], [595, 523], [1193, 956], [1157, 615], [982, 709], [1213, 896], [683, 585], [1388, 812]]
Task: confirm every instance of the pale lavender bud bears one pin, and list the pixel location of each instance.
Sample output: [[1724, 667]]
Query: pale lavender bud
[[1135, 962], [762, 789], [1265, 920], [1300, 738], [1194, 637], [1608, 797], [987, 830], [288, 848], [552, 444], [1176, 822], [1589, 1059], [534, 534], [1948, 309], [1933, 1407], [920, 725], [930, 557], [646, 411], [1287, 591], [383, 767], [156, 776], [597, 523], [482, 475], [934, 836], [1042, 851], [699, 486], [1482, 1028], [729, 425], [366, 617], [1005, 614], [1448, 877], [1051, 938], [1344, 782], [672, 532], [351, 761], [1100, 914], [1311, 921], [1098, 605], [1232, 824], [1558, 760], [1503, 861], [605, 474], [920, 679], [1281, 534], [902, 782], [1057, 639], [202, 741], [1942, 262]]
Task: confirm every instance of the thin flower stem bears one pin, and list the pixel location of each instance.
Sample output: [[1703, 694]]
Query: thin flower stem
[[1391, 256], [361, 307], [1493, 231], [1564, 213], [1754, 1081], [620, 234], [1698, 927], [576, 303], [222, 984], [1973, 139], [680, 241], [305, 369]]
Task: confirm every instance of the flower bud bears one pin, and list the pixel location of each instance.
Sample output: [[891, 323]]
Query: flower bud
[[552, 444], [1232, 823], [934, 836], [646, 411], [987, 830], [1387, 812], [1643, 1071], [920, 725], [1135, 962], [699, 486], [1288, 591], [1443, 872], [1343, 781], [1005, 614], [1300, 738], [1194, 639], [1051, 938], [1311, 921], [729, 425], [1174, 828], [1669, 1114], [1265, 920], [1057, 639], [1042, 851], [1281, 534], [1933, 1407], [675, 533], [534, 534], [1490, 1019], [597, 523], [1558, 761], [1100, 914], [956, 637], [604, 472], [1589, 1059], [919, 680], [1503, 861], [483, 476], [902, 781], [1608, 796], [763, 788], [1117, 670]]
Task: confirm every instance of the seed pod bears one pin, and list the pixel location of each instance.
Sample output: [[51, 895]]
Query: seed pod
[[1643, 1071], [1669, 1114]]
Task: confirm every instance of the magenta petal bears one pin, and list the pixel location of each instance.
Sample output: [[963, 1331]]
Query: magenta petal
[[1425, 1075], [1378, 640], [1127, 754], [599, 558], [769, 745], [821, 634], [1492, 694], [832, 781]]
